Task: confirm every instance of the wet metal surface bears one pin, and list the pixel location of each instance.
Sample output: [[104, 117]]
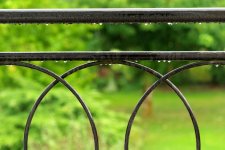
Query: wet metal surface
[[112, 15], [129, 55]]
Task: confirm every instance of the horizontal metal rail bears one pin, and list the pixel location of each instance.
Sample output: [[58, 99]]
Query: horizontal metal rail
[[112, 15], [112, 56], [105, 58]]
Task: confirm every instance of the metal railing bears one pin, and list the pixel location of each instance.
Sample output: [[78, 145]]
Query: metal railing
[[114, 15], [124, 58]]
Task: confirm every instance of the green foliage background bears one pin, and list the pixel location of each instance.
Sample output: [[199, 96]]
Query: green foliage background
[[20, 86]]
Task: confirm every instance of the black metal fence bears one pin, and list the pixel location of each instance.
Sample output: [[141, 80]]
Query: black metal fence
[[124, 58]]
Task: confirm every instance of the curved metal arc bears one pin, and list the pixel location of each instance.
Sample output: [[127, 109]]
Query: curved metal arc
[[45, 92], [165, 78], [176, 90], [128, 63], [58, 79]]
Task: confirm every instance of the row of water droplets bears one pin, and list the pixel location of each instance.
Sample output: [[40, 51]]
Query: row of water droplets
[[169, 61], [146, 24], [56, 61], [109, 64]]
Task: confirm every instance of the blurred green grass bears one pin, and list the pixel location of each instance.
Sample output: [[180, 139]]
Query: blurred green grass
[[169, 126]]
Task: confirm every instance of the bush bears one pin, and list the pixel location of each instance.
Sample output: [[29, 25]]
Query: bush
[[59, 122]]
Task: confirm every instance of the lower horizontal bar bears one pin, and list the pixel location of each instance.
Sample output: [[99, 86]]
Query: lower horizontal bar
[[113, 56]]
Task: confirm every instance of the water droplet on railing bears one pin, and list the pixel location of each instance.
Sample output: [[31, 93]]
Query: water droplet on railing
[[46, 24], [56, 61], [217, 65], [100, 24], [200, 23], [164, 60], [110, 64], [146, 24], [65, 61], [159, 61], [169, 61], [170, 24]]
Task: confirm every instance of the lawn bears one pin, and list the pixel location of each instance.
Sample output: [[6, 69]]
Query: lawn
[[169, 127]]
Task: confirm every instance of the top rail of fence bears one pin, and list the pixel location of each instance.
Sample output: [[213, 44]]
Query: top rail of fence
[[112, 15]]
